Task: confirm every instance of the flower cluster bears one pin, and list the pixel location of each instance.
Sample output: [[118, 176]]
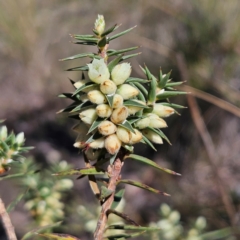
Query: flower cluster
[[116, 110]]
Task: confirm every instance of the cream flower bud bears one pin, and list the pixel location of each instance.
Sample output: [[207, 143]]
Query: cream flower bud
[[103, 110], [99, 143], [119, 115], [112, 144], [79, 144], [84, 98], [96, 97], [80, 83], [127, 91], [88, 116], [98, 71], [100, 24], [106, 128], [152, 136], [117, 101], [143, 123], [162, 111], [108, 87], [127, 136], [121, 73], [156, 122]]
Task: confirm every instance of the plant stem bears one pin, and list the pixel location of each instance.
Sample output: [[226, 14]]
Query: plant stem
[[7, 224], [114, 173]]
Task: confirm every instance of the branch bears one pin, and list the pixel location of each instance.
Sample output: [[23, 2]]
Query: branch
[[7, 224], [114, 171]]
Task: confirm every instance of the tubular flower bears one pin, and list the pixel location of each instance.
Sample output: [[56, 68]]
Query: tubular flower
[[121, 73]]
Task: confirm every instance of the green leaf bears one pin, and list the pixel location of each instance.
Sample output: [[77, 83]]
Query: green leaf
[[114, 62], [82, 68], [102, 42], [151, 163], [117, 198], [86, 43], [105, 193], [131, 227], [110, 99], [173, 105], [173, 84], [160, 133], [128, 147], [13, 204], [113, 157], [148, 73], [84, 38], [81, 171], [134, 104], [139, 80], [163, 79], [148, 142], [124, 236], [113, 53], [85, 87], [82, 55], [95, 124], [142, 185], [218, 234], [152, 91], [109, 30], [130, 56], [121, 33], [141, 88], [127, 125], [12, 176], [168, 94], [58, 236], [40, 229], [122, 215]]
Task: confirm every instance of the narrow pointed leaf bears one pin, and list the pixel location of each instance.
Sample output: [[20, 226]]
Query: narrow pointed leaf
[[82, 68], [128, 147], [114, 62], [142, 185], [173, 84], [139, 80], [130, 56], [82, 36], [148, 142], [151, 163], [219, 234], [80, 171], [105, 193], [40, 229], [86, 43], [127, 125], [117, 198], [116, 26], [168, 94], [102, 42], [173, 105], [121, 33], [148, 73], [82, 55], [87, 39], [122, 51], [141, 88], [58, 236], [131, 227], [163, 79], [124, 236], [85, 87], [95, 125], [110, 99], [160, 133], [113, 157], [122, 215], [152, 91], [134, 104], [13, 204]]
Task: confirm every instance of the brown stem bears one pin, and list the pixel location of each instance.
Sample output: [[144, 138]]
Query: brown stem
[[114, 173], [7, 224]]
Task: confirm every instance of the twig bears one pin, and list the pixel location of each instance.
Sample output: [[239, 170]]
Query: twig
[[114, 171], [208, 143], [7, 224]]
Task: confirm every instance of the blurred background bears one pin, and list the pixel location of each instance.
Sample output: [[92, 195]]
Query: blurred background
[[197, 40]]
